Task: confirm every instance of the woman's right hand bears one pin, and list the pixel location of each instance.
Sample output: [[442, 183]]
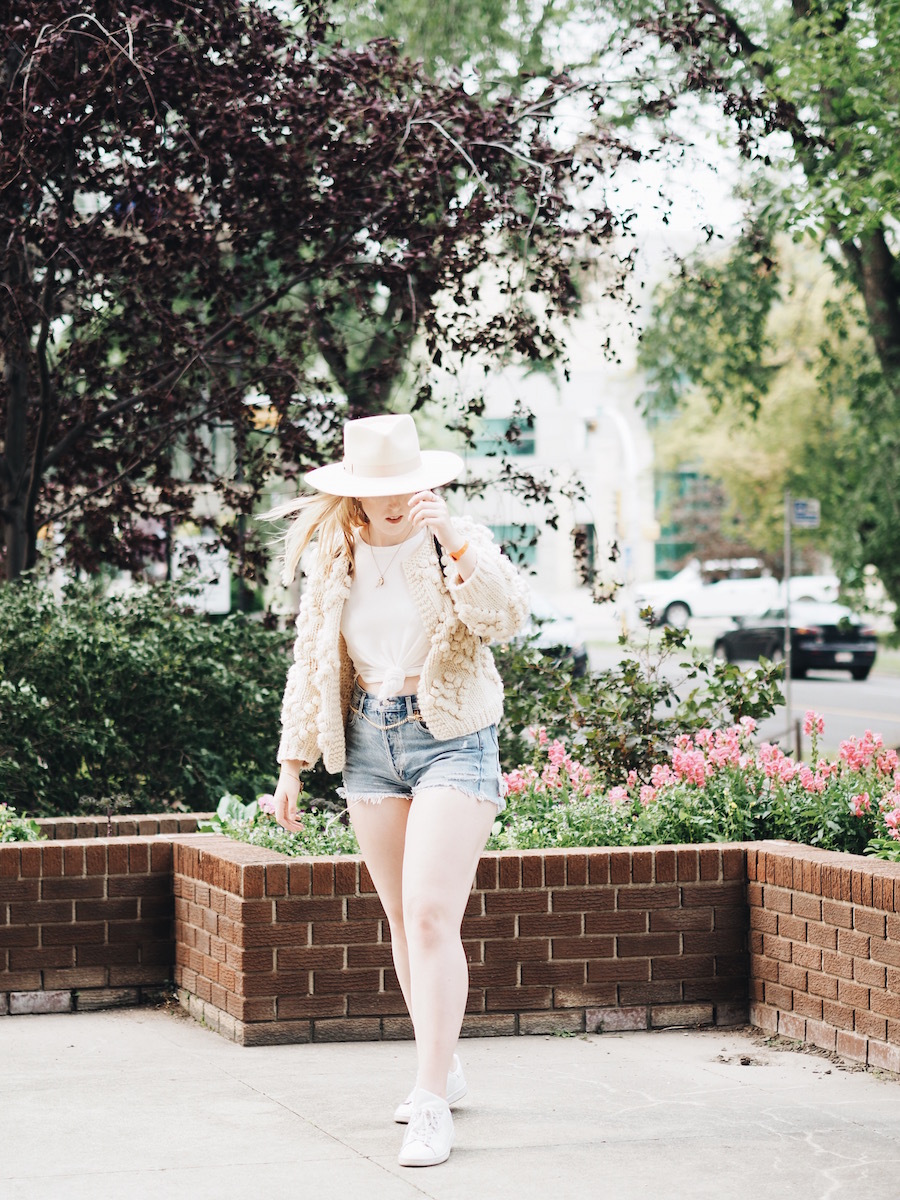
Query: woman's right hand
[[286, 795]]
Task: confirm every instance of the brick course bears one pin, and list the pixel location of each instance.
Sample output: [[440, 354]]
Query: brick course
[[827, 936]]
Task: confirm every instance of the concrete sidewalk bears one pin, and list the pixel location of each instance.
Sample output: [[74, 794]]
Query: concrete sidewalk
[[144, 1104]]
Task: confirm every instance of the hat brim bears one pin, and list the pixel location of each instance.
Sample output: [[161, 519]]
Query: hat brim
[[438, 467]]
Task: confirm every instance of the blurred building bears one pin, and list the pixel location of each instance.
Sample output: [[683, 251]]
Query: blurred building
[[586, 438]]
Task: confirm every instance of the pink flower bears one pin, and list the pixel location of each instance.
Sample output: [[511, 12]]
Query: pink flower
[[857, 753], [887, 762], [648, 795], [631, 779], [556, 753], [775, 762], [661, 774], [266, 804], [860, 804], [519, 780], [787, 769], [892, 820], [810, 781], [813, 722], [617, 796], [727, 747], [550, 776], [690, 765], [748, 725]]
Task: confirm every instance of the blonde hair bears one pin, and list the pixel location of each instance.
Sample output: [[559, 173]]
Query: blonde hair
[[329, 519]]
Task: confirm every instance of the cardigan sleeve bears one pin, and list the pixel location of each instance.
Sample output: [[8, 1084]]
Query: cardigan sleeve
[[493, 603], [300, 704]]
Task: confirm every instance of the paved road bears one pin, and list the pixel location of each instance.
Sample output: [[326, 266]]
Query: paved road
[[849, 707]]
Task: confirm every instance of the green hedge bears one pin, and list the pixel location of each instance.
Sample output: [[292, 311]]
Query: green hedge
[[132, 701]]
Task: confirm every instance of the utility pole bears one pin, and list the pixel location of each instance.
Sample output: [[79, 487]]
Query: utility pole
[[788, 518], [805, 514]]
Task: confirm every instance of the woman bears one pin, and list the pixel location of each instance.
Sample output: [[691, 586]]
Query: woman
[[393, 683]]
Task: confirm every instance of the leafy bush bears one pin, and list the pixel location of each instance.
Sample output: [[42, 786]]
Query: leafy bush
[[715, 786], [324, 831], [14, 828], [626, 718], [105, 695]]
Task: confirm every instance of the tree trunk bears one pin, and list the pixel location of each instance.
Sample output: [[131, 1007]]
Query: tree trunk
[[14, 473], [876, 270]]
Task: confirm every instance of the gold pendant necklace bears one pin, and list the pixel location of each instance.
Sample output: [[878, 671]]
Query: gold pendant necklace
[[382, 573]]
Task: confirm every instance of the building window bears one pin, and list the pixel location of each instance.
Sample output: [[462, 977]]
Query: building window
[[505, 435], [518, 542], [584, 545]]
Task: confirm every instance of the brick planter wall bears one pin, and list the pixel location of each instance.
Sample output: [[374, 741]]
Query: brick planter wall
[[270, 949], [66, 828], [276, 950], [84, 924], [825, 943]]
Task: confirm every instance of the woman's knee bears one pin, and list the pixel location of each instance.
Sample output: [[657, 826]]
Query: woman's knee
[[428, 922]]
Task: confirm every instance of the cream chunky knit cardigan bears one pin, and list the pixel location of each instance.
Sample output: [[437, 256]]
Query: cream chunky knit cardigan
[[459, 688]]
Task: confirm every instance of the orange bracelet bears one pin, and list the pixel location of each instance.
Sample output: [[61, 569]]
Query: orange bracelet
[[460, 552]]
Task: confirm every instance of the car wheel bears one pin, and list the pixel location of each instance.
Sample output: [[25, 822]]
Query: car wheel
[[776, 653], [860, 673], [798, 672], [677, 614], [720, 651]]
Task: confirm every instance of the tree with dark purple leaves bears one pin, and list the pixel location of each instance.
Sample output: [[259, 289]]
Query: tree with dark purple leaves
[[221, 236]]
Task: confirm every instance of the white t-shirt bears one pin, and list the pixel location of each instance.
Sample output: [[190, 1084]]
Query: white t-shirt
[[385, 636]]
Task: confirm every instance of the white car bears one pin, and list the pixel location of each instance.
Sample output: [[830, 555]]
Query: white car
[[556, 635], [674, 601]]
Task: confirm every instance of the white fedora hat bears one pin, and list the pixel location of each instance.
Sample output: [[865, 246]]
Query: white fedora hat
[[382, 458]]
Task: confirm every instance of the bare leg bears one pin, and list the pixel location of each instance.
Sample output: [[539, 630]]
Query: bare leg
[[381, 832], [445, 835]]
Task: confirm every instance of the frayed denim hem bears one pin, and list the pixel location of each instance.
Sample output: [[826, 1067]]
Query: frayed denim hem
[[481, 797], [351, 798]]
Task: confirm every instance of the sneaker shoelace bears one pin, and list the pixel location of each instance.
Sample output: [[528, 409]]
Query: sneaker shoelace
[[423, 1126]]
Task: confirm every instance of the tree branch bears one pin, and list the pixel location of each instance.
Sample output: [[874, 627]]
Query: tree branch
[[172, 377]]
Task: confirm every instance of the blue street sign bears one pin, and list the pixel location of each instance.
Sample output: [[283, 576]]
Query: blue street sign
[[805, 514]]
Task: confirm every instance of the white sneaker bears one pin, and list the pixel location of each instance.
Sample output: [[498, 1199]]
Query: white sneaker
[[456, 1089], [429, 1134]]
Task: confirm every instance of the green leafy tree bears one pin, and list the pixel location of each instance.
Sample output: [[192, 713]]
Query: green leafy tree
[[494, 41], [811, 92], [795, 427]]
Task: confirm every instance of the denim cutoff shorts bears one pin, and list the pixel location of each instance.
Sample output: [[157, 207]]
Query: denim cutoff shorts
[[391, 752]]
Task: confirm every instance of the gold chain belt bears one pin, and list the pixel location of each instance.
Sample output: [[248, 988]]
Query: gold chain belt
[[416, 716]]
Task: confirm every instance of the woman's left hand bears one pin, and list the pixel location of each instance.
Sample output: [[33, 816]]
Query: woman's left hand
[[427, 508]]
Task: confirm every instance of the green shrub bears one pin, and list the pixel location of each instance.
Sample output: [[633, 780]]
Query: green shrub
[[134, 695], [627, 718], [14, 828], [324, 831], [715, 786]]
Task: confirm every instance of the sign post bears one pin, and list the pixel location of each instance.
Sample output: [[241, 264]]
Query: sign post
[[799, 514], [787, 615]]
